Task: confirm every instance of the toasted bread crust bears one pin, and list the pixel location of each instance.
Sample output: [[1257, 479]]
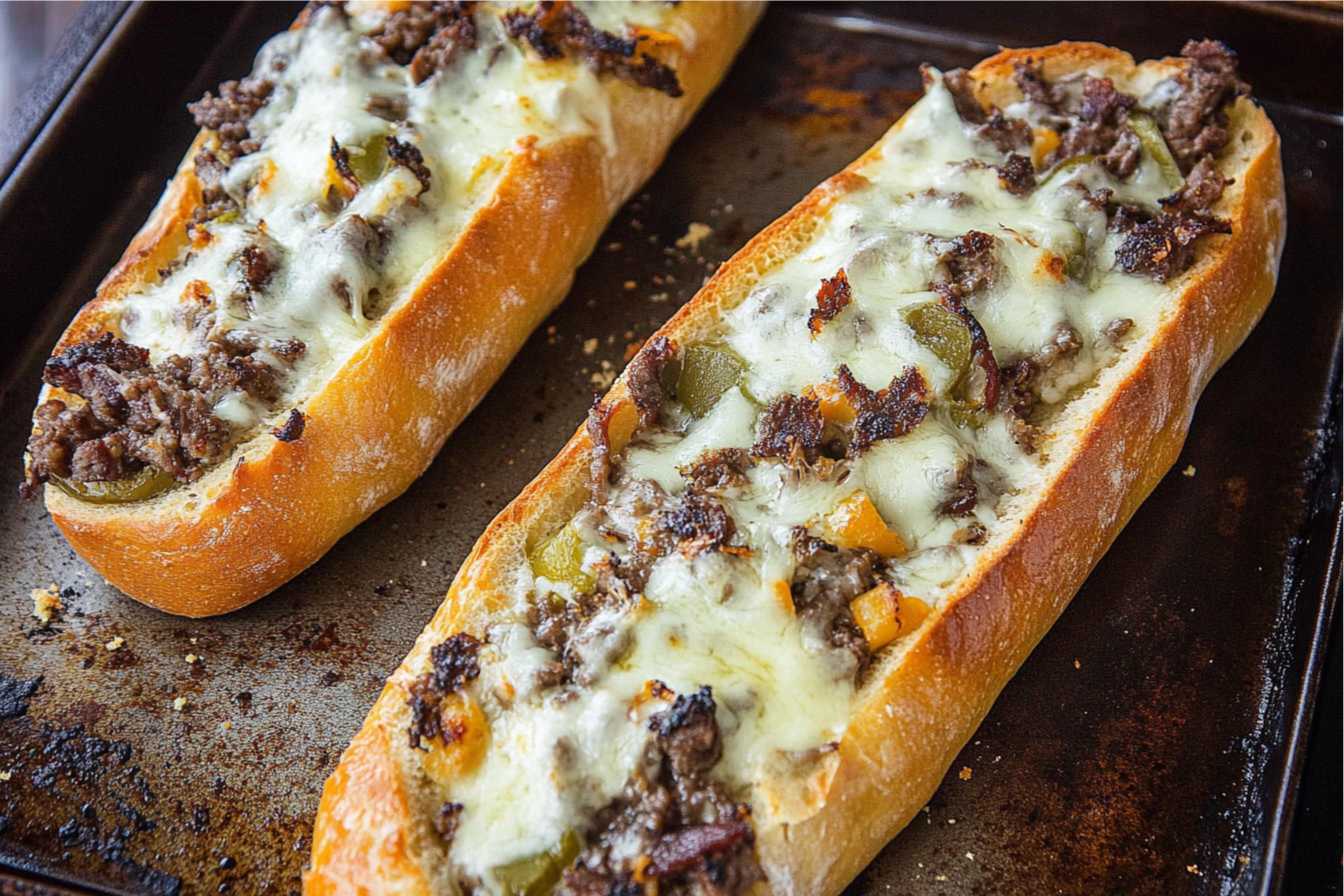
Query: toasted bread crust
[[922, 702], [272, 509]]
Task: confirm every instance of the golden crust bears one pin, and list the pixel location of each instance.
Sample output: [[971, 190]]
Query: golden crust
[[924, 701], [265, 514]]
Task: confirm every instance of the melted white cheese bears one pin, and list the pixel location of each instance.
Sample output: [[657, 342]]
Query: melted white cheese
[[466, 120], [717, 619]]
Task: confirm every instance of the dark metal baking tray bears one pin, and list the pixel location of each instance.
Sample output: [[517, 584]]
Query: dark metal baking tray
[[1151, 743]]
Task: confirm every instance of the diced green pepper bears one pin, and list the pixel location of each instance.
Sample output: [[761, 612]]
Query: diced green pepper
[[967, 416], [1155, 146], [147, 483], [943, 333], [707, 371], [560, 559], [1068, 165], [537, 875], [368, 164]]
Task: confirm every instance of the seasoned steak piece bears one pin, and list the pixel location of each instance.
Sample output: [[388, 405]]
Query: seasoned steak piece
[[1007, 134], [1195, 121], [556, 27], [672, 820], [888, 413], [699, 523], [790, 429], [717, 469], [832, 298], [408, 156], [825, 580], [426, 35], [230, 113], [968, 263]]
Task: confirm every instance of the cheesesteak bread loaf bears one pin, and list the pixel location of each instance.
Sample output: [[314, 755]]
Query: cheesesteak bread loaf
[[732, 637], [362, 236]]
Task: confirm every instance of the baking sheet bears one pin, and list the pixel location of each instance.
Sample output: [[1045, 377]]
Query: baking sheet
[[1149, 745]]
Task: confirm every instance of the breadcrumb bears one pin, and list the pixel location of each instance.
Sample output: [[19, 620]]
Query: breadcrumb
[[965, 773], [191, 658], [179, 704], [695, 234], [47, 603], [6, 775], [590, 345], [116, 643], [1189, 471]]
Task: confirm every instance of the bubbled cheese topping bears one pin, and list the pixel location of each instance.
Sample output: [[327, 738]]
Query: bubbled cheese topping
[[718, 618]]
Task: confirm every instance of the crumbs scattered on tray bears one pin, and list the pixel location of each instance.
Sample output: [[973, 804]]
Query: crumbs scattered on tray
[[694, 236], [965, 773], [1189, 471], [47, 606], [179, 704], [116, 643]]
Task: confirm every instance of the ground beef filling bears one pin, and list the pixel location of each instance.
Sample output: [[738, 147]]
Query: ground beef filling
[[832, 298], [453, 665], [135, 414], [427, 36], [825, 580], [681, 825], [717, 469], [555, 28]]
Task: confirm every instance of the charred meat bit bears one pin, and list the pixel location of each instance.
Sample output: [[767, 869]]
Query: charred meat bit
[[644, 378], [888, 413], [1029, 76], [672, 821], [1195, 121], [555, 27], [825, 580], [446, 819], [790, 429], [453, 665], [340, 157], [292, 429], [968, 262], [717, 469], [408, 156], [1016, 175], [230, 113], [1201, 191], [832, 298], [435, 29], [215, 201], [1161, 246], [699, 523]]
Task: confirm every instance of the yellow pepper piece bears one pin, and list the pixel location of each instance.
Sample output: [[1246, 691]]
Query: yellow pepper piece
[[783, 596], [855, 523], [560, 559], [463, 744], [835, 405], [885, 614], [1043, 142]]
